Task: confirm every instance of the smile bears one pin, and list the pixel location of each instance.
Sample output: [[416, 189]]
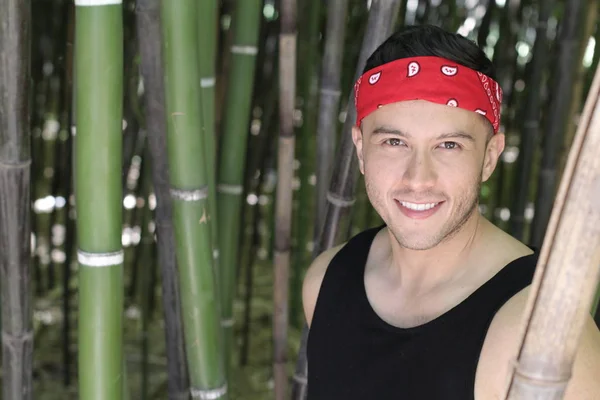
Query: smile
[[418, 210], [419, 207]]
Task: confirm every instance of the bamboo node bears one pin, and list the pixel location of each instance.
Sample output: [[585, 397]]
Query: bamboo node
[[190, 195], [244, 50], [207, 82], [99, 260], [227, 323], [230, 189], [331, 92], [338, 201], [300, 379], [86, 3], [208, 394], [539, 381], [15, 165]]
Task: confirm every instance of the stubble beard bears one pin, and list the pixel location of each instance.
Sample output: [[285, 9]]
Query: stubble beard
[[465, 207]]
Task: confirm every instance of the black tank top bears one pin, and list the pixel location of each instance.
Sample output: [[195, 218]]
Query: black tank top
[[354, 354]]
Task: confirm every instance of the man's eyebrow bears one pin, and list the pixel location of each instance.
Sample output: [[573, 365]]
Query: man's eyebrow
[[455, 135], [388, 130], [449, 135]]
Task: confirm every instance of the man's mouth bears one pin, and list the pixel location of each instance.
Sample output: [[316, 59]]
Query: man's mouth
[[418, 210], [419, 206]]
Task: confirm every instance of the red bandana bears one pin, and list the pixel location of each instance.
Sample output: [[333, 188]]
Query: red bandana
[[433, 79]]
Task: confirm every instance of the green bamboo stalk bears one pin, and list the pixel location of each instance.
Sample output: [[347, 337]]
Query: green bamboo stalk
[[232, 153], [306, 146], [15, 166], [340, 196], [283, 202], [562, 88], [98, 192], [530, 127], [149, 36], [189, 191]]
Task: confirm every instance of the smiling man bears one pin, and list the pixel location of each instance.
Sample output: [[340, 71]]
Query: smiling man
[[427, 306]]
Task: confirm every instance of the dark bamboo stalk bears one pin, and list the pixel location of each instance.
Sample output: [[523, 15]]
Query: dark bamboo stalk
[[15, 163], [486, 21], [562, 88], [285, 176], [329, 92], [340, 196], [530, 127], [149, 36], [579, 89]]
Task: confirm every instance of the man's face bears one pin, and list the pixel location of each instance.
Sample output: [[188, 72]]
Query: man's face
[[423, 165]]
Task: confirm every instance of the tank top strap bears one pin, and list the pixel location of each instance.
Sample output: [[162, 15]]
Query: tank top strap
[[342, 284]]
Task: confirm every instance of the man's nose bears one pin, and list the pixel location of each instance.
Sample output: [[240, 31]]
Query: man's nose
[[420, 172]]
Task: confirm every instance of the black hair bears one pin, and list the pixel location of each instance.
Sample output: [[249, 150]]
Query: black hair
[[430, 40]]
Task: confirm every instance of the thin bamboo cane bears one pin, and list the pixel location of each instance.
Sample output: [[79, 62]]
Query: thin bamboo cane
[[579, 80], [149, 35], [232, 153], [304, 195], [562, 87], [329, 99], [486, 21], [530, 126], [98, 192], [567, 272], [15, 164], [283, 202], [340, 196], [189, 191]]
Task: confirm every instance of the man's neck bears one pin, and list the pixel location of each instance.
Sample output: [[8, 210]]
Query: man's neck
[[425, 271]]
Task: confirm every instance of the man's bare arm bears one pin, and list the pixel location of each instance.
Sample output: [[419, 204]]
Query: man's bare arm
[[501, 347]]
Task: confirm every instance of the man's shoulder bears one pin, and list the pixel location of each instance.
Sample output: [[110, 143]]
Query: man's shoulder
[[313, 279]]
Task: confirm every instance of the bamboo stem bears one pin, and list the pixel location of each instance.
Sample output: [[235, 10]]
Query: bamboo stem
[[283, 203], [329, 98], [190, 192], [232, 153], [15, 166], [149, 35], [567, 272], [98, 192], [530, 127], [568, 52]]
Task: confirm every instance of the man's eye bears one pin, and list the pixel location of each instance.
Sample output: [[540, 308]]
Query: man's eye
[[393, 142], [450, 145]]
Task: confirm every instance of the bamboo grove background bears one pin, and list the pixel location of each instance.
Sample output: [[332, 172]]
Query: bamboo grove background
[[206, 140]]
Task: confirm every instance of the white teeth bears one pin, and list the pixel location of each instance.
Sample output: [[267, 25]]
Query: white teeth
[[418, 207]]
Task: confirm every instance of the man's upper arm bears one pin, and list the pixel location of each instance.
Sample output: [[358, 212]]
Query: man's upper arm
[[501, 346], [313, 278]]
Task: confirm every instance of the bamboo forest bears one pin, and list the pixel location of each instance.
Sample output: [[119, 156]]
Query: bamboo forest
[[170, 169]]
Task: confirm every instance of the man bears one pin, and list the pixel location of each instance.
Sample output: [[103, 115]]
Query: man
[[429, 305]]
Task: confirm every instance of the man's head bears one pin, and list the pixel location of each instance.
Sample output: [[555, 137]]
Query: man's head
[[416, 154]]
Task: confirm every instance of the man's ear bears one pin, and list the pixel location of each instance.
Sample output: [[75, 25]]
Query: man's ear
[[493, 150], [357, 138]]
